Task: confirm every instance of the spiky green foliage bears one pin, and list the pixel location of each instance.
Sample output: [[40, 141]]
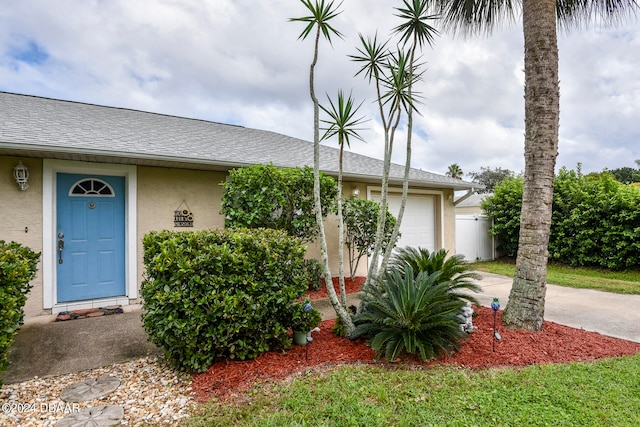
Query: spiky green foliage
[[453, 269], [415, 27], [372, 55], [398, 83], [342, 119], [410, 313], [321, 14]]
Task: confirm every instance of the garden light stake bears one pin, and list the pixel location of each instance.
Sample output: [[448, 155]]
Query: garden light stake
[[495, 306]]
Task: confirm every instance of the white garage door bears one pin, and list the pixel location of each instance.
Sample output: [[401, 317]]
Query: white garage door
[[418, 226]]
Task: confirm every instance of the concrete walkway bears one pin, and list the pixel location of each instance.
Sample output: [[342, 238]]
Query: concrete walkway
[[45, 348]]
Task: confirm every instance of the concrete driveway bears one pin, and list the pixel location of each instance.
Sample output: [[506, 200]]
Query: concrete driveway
[[610, 314]]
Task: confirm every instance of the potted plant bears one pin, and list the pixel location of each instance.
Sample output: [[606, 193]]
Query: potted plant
[[303, 319]]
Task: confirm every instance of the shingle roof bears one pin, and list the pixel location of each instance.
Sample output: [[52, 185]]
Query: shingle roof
[[473, 200], [43, 127]]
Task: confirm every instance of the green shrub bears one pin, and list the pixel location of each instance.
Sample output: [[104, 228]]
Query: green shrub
[[314, 269], [304, 317], [271, 197], [596, 220], [217, 294], [504, 208], [18, 266], [410, 313]]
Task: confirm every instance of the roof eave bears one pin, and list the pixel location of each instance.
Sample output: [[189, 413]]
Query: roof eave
[[87, 154]]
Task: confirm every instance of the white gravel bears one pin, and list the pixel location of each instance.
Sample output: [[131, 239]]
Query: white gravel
[[150, 391]]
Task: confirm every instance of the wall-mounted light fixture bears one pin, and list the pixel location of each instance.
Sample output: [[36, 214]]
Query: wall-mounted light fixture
[[21, 174], [355, 191]]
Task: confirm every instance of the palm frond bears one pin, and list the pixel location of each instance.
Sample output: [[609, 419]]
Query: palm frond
[[572, 14], [470, 17]]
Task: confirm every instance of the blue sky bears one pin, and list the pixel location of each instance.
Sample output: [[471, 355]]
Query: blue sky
[[240, 62]]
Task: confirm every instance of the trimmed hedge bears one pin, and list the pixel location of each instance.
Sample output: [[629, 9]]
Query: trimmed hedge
[[217, 294], [18, 266], [596, 220], [266, 196]]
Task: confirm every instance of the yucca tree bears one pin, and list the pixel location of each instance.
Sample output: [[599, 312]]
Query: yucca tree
[[414, 31], [410, 313], [540, 19], [394, 76], [321, 14], [376, 61], [344, 123]]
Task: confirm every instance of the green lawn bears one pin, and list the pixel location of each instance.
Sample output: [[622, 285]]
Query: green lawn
[[602, 393], [620, 282]]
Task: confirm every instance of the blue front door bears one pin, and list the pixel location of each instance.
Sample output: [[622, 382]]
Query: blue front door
[[90, 237]]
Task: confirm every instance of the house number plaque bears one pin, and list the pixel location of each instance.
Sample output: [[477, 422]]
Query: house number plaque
[[182, 216]]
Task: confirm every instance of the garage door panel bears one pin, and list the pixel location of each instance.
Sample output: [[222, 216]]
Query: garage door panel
[[418, 223]]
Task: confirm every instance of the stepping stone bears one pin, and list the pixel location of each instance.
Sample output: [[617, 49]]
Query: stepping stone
[[100, 416], [90, 389]]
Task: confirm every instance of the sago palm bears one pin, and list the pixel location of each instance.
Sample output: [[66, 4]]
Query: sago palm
[[453, 270], [410, 313]]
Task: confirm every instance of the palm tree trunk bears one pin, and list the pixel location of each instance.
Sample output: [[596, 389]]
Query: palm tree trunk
[[525, 308]]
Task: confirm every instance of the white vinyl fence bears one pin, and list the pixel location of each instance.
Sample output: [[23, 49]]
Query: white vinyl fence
[[473, 239]]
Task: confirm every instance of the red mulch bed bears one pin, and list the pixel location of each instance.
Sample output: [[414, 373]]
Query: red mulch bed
[[352, 286], [555, 343]]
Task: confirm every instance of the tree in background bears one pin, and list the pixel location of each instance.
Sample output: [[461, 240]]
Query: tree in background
[[455, 171], [626, 174], [490, 178], [540, 19]]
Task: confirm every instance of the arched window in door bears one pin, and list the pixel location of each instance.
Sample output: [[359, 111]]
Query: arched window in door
[[92, 187]]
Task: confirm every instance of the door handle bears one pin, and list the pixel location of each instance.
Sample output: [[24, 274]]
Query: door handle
[[60, 247]]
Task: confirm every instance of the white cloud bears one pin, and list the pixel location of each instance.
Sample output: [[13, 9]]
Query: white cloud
[[241, 62]]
